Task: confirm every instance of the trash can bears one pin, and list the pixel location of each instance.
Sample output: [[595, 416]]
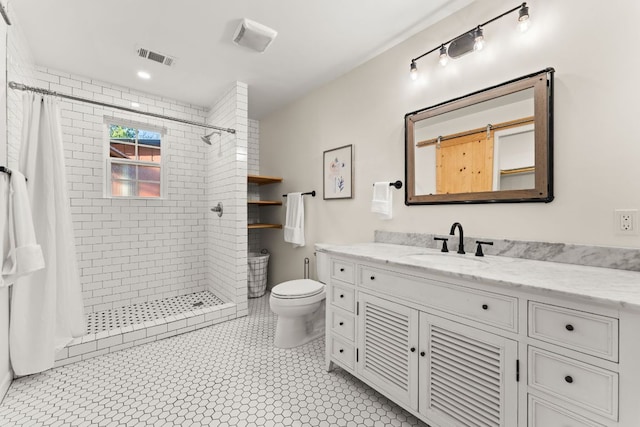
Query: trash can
[[257, 274]]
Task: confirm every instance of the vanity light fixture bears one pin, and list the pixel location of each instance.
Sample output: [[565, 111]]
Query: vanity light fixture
[[478, 39], [523, 18], [444, 57], [470, 41], [414, 70]]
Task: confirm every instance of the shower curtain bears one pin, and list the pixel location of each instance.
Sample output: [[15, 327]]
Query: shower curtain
[[46, 308]]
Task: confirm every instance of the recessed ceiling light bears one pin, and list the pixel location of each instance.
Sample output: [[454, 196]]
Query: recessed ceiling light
[[135, 105], [144, 75]]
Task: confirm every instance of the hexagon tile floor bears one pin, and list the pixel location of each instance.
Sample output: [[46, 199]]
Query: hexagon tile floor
[[224, 375]]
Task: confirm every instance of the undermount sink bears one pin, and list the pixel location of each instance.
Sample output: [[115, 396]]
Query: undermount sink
[[449, 259]]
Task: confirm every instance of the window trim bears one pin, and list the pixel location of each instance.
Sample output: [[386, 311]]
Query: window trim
[[109, 160]]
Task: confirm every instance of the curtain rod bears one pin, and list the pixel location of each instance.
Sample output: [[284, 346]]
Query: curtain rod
[[20, 86]]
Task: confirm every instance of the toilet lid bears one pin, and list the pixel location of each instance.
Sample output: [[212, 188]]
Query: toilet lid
[[297, 289]]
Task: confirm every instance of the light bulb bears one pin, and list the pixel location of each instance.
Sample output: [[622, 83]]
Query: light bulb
[[413, 71], [523, 18], [444, 58], [479, 39], [144, 75]]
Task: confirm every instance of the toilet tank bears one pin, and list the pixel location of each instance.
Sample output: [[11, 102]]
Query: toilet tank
[[322, 267]]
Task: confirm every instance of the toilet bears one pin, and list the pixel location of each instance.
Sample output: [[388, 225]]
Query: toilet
[[299, 305]]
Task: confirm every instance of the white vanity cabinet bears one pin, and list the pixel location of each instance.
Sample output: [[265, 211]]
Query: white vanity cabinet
[[457, 351], [447, 372]]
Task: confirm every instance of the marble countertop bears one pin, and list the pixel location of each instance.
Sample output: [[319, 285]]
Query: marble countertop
[[619, 288]]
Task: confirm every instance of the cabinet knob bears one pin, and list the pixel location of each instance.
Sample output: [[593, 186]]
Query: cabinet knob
[[568, 379], [422, 353], [341, 323], [342, 269], [485, 307], [413, 349], [341, 350], [341, 295], [569, 327], [373, 277]]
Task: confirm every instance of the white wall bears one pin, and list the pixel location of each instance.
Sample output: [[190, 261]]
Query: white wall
[[597, 154]]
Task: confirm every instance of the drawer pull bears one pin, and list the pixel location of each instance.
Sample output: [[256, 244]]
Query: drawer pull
[[341, 323], [422, 353], [569, 327], [485, 307], [568, 379], [341, 295], [342, 269], [413, 349], [341, 350], [373, 277]]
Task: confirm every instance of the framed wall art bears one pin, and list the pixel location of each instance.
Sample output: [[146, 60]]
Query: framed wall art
[[337, 173]]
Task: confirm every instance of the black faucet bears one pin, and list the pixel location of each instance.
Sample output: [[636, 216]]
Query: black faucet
[[453, 232]]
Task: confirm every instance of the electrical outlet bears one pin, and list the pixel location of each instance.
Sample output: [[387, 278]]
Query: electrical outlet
[[625, 221]]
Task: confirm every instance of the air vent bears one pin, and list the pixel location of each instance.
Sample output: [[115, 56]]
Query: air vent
[[156, 57]]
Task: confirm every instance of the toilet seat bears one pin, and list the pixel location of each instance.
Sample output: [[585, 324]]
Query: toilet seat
[[294, 289]]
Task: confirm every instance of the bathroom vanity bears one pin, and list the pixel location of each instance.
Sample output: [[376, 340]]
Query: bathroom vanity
[[460, 340]]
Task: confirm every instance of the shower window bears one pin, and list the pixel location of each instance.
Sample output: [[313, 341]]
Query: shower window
[[134, 161]]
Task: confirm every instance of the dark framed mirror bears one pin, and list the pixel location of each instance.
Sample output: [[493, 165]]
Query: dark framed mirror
[[493, 145]]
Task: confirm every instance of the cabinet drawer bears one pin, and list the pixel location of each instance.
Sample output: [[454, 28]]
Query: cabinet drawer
[[587, 386], [342, 353], [342, 270], [486, 307], [343, 324], [545, 414], [343, 297], [577, 330]]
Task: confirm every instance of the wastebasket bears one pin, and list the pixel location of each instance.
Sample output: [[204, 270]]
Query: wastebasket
[[257, 274]]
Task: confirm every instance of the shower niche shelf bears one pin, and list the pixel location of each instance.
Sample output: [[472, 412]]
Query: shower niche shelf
[[263, 180]]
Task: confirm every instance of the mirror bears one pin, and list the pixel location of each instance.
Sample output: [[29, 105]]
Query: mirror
[[494, 145]]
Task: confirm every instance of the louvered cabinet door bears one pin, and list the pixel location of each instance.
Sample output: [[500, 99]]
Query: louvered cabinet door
[[387, 333], [467, 376]]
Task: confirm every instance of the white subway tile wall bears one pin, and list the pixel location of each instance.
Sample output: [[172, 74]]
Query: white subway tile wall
[[226, 182], [20, 68], [132, 250]]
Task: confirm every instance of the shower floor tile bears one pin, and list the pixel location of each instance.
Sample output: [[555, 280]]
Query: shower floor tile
[[152, 310], [229, 374]]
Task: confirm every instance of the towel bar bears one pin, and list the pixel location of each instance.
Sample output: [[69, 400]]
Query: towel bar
[[312, 193], [397, 184]]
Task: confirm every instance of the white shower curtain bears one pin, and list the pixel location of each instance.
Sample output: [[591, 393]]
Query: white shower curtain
[[46, 307]]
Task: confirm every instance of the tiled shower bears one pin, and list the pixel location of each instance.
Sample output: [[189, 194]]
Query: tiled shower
[[136, 255]]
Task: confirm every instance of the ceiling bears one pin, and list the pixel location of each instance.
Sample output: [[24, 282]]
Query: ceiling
[[317, 42]]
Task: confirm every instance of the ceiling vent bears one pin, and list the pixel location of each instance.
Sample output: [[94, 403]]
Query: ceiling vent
[[254, 35], [156, 57]]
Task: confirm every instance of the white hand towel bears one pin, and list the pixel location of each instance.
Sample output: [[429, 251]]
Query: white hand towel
[[294, 225], [21, 254], [382, 202]]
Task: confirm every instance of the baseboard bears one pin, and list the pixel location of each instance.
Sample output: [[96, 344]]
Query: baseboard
[[4, 384]]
